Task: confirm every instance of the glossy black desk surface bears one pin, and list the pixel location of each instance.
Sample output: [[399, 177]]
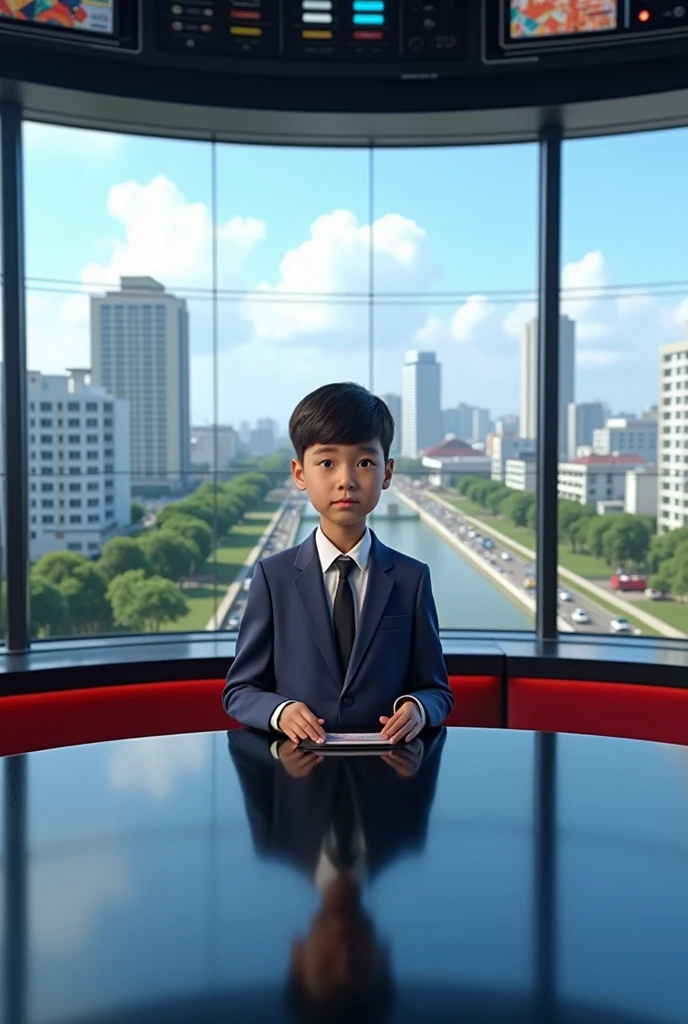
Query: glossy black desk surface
[[515, 877]]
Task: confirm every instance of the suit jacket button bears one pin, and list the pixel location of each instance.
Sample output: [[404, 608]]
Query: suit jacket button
[[347, 702]]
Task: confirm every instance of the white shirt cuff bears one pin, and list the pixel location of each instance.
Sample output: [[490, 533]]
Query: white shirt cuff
[[276, 714], [274, 748], [415, 700]]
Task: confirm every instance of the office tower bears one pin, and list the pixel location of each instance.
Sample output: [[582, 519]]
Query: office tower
[[262, 440], [245, 433], [140, 351], [672, 493], [79, 464], [504, 447], [480, 425], [621, 436], [529, 368], [584, 418], [421, 415], [450, 422], [460, 421], [393, 403], [208, 441]]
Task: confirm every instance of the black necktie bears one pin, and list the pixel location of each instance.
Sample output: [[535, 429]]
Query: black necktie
[[343, 615], [343, 823]]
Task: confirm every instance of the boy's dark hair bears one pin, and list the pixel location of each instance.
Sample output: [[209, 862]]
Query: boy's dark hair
[[344, 413], [350, 1006]]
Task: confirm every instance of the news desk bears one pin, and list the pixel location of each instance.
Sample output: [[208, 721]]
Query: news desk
[[505, 876]]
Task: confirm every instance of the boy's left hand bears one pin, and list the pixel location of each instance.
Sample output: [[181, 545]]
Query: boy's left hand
[[406, 723]]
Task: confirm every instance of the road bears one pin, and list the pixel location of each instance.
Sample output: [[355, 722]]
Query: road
[[512, 567]]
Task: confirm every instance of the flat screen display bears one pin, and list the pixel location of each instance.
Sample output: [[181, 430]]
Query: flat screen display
[[536, 19], [80, 15]]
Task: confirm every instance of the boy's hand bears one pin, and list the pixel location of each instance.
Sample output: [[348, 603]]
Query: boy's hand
[[298, 762], [405, 723], [299, 723], [405, 761]]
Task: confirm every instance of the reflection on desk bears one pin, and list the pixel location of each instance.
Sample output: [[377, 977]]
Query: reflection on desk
[[513, 876]]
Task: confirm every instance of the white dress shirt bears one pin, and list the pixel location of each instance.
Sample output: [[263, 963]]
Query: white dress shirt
[[328, 553]]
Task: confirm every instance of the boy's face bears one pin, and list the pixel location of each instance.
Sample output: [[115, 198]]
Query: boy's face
[[344, 481]]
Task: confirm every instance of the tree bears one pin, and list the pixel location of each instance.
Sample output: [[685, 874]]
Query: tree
[[48, 609], [189, 507], [496, 497], [627, 542], [120, 555], [463, 484], [679, 575], [138, 511], [665, 546], [569, 514], [516, 506], [193, 529], [85, 596], [596, 529], [58, 566], [145, 604], [661, 580], [531, 516], [170, 554]]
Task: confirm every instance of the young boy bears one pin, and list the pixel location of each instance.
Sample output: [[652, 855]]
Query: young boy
[[341, 632]]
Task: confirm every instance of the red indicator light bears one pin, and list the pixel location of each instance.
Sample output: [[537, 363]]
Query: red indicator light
[[245, 15], [368, 36], [644, 16]]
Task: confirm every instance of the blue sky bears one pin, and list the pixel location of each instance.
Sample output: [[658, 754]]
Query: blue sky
[[461, 221]]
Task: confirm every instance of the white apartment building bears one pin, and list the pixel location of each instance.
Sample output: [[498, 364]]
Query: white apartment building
[[672, 500], [529, 375], [205, 441], [79, 464], [641, 492], [520, 474], [624, 436], [140, 351], [594, 478], [505, 448], [421, 411]]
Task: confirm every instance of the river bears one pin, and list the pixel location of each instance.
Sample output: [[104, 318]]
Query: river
[[465, 598]]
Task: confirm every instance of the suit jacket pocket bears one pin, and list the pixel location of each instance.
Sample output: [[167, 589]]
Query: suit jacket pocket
[[390, 622]]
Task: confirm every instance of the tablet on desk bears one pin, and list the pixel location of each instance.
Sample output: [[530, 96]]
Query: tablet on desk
[[351, 742]]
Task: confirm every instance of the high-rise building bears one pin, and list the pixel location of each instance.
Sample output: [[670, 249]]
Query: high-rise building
[[508, 425], [584, 418], [245, 433], [567, 378], [672, 493], [503, 448], [140, 351], [263, 440], [421, 415], [79, 464], [209, 441], [480, 425], [393, 403]]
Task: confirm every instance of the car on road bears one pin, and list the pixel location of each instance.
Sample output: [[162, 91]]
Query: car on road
[[529, 583], [505, 556], [619, 625], [580, 616], [564, 595], [233, 622], [654, 595]]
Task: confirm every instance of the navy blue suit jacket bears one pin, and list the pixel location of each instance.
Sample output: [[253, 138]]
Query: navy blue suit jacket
[[286, 647]]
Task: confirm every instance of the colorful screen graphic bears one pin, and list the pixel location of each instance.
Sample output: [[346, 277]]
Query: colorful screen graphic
[[88, 15], [532, 18]]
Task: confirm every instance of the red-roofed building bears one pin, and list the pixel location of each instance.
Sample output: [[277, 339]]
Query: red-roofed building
[[593, 479], [452, 459]]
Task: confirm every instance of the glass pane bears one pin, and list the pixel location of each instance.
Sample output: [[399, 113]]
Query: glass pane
[[293, 314], [623, 481], [454, 283], [119, 320]]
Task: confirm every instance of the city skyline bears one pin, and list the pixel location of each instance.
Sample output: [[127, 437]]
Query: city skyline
[[284, 269]]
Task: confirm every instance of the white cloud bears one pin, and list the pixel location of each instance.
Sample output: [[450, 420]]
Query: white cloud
[[598, 359], [468, 318], [155, 765], [334, 262]]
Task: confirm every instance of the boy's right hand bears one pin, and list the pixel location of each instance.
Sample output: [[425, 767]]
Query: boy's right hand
[[298, 722]]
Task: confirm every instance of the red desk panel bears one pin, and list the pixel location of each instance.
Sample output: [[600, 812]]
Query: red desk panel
[[630, 710], [43, 720]]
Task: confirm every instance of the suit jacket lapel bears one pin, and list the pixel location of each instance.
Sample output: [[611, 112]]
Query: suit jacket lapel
[[310, 587], [377, 595]]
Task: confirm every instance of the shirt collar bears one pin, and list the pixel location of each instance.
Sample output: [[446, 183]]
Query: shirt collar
[[328, 552]]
